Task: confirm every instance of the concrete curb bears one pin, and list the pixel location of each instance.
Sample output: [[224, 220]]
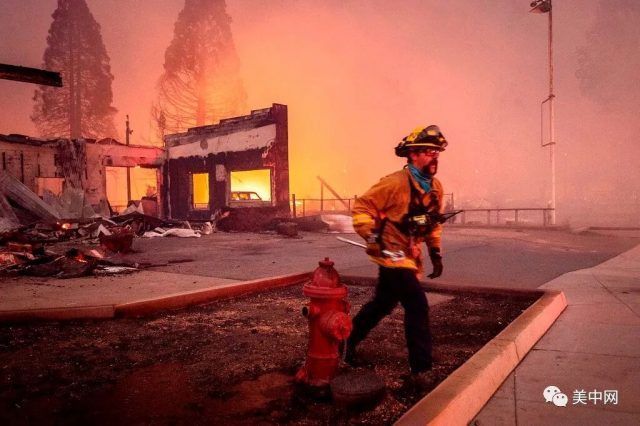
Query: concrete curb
[[58, 314], [459, 398], [148, 306]]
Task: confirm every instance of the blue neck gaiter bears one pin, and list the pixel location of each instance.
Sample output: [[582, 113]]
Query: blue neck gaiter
[[424, 181]]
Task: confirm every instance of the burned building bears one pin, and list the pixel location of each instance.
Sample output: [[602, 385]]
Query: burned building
[[103, 170], [241, 163], [32, 161]]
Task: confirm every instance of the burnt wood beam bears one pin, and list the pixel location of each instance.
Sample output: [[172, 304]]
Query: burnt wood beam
[[30, 75]]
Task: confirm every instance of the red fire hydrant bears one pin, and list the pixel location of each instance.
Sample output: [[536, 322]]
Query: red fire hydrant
[[329, 325]]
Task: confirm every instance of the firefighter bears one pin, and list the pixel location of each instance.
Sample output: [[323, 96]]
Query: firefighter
[[393, 216]]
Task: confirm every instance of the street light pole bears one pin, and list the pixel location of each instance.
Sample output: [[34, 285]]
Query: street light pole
[[544, 6]]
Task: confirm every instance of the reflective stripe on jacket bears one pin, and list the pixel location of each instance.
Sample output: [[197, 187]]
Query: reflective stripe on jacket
[[389, 198]]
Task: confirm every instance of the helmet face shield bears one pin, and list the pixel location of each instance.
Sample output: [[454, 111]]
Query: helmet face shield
[[430, 131], [429, 137]]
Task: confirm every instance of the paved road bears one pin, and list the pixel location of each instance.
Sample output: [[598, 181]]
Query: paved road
[[525, 258]]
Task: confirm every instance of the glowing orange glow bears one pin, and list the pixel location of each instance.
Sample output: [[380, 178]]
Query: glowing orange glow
[[386, 68], [258, 181], [144, 182], [116, 178], [201, 190], [66, 226]]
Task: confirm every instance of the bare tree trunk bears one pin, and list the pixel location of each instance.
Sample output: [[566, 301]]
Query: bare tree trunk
[[74, 79], [78, 103], [72, 86]]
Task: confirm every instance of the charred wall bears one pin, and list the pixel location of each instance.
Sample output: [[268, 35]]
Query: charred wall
[[218, 167], [115, 154], [27, 160], [81, 163], [280, 156], [256, 141], [72, 161]]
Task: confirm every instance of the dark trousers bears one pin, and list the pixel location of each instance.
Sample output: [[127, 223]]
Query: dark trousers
[[398, 285]]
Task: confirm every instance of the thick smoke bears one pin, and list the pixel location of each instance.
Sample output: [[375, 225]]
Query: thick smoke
[[359, 76]]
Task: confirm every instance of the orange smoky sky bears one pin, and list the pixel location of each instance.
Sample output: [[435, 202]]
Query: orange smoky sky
[[358, 76]]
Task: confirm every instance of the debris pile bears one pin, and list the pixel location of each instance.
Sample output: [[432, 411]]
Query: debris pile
[[34, 260], [72, 249], [63, 236]]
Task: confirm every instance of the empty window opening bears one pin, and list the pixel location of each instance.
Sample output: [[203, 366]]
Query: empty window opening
[[200, 190], [251, 185], [117, 187], [142, 182]]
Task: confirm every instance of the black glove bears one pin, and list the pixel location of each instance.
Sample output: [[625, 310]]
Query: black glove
[[373, 245], [436, 261], [373, 249]]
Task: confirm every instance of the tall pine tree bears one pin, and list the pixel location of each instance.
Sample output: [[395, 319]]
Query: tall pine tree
[[201, 81], [82, 107]]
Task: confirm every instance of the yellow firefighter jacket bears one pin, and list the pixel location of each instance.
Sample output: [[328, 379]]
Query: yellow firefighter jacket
[[390, 198]]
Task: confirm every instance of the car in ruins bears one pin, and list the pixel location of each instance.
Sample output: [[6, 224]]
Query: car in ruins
[[245, 196]]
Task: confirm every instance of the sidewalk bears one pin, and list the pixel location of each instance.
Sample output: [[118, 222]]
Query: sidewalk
[[93, 298], [33, 293], [593, 349]]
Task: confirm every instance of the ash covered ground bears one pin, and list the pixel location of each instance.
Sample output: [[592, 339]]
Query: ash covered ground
[[230, 362]]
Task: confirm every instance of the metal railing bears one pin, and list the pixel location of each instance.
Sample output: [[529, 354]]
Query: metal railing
[[312, 206], [506, 216], [489, 216], [301, 207]]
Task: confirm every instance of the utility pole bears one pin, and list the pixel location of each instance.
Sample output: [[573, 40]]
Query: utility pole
[[128, 132], [162, 124], [544, 6]]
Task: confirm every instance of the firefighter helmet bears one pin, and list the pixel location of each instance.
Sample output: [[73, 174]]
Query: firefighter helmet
[[422, 138]]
